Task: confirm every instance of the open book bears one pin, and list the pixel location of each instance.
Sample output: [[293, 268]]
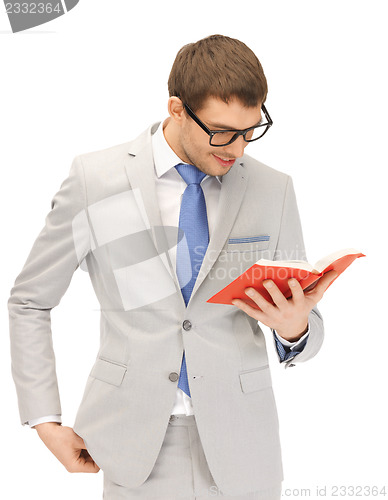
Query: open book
[[280, 272]]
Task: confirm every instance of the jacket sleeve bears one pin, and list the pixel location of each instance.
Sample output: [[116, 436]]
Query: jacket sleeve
[[57, 252], [290, 246]]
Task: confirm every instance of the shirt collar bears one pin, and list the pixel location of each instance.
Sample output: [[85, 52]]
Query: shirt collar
[[164, 157]]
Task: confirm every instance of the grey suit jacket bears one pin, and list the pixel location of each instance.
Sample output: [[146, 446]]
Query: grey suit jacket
[[105, 218]]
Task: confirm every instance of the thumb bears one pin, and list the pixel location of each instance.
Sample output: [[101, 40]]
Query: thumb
[[78, 441], [328, 278], [320, 286], [84, 459]]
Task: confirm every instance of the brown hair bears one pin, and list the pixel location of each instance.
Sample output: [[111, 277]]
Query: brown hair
[[217, 66]]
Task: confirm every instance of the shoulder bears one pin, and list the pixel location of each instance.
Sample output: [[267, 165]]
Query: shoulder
[[114, 155], [103, 172], [103, 157]]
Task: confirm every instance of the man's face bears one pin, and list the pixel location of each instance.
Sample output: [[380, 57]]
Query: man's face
[[216, 115]]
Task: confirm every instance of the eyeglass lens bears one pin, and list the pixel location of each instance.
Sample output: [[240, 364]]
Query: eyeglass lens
[[222, 138]]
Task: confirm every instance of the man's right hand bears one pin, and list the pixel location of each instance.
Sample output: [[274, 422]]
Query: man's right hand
[[67, 446]]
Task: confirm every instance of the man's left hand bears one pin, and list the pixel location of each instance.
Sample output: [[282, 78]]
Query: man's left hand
[[289, 317]]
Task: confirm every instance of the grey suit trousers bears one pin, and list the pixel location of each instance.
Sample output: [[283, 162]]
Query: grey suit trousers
[[181, 471]]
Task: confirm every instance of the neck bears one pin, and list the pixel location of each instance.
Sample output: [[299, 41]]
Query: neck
[[171, 134]]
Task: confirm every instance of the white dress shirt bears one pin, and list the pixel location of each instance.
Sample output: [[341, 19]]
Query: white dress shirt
[[169, 190]]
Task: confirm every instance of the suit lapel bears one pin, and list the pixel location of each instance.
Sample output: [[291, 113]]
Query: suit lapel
[[139, 166], [233, 187], [140, 171]]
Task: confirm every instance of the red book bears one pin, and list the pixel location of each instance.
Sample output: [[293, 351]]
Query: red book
[[280, 272]]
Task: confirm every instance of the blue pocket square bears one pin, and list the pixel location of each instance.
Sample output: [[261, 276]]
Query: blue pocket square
[[249, 239]]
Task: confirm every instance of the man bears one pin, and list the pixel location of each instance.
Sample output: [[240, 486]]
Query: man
[[179, 402]]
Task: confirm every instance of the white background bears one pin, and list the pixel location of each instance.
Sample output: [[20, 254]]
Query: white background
[[97, 77]]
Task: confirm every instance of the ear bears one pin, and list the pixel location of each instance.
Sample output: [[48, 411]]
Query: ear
[[176, 110]]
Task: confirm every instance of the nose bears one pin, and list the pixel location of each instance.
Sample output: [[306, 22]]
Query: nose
[[236, 149]]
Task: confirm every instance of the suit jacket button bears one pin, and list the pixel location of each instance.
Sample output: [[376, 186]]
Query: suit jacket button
[[173, 376], [186, 324]]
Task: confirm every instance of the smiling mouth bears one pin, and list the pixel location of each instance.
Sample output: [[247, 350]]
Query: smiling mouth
[[225, 162]]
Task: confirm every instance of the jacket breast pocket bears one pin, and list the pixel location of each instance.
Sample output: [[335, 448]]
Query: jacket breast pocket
[[248, 243], [108, 371], [255, 380]]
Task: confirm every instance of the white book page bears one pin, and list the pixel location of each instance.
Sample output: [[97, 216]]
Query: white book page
[[297, 264], [325, 261], [302, 264]]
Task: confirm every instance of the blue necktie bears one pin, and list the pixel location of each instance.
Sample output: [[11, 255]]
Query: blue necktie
[[193, 223]]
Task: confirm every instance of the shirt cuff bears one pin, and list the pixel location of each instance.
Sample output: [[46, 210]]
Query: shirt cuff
[[42, 420], [289, 344]]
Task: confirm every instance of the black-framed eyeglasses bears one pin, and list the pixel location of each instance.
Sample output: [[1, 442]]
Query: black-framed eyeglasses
[[220, 138]]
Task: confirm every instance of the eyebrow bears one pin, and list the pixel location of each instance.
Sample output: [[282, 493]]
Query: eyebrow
[[225, 127]]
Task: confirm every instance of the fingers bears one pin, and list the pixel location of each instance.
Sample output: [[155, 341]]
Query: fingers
[[267, 309], [323, 284], [251, 311], [68, 448], [296, 290], [82, 464], [278, 298], [86, 463], [276, 295]]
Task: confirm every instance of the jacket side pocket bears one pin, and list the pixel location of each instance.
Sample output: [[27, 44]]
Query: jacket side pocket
[[108, 371]]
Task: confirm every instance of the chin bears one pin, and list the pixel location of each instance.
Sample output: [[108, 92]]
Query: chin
[[221, 170]]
